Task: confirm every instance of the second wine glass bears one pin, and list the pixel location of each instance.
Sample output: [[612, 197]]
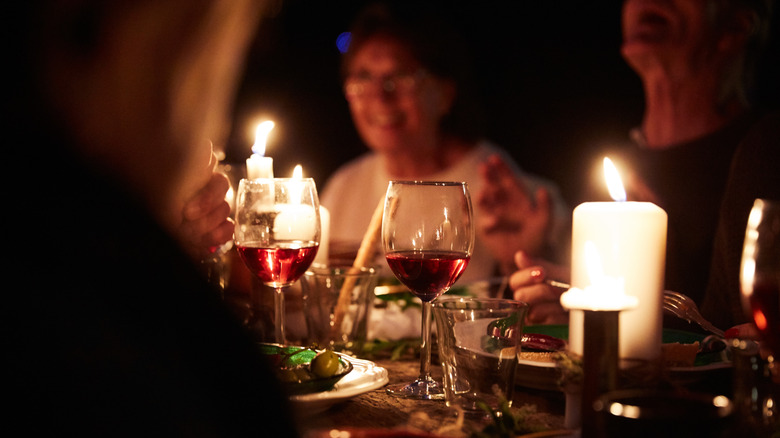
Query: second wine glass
[[760, 271], [428, 238], [277, 234]]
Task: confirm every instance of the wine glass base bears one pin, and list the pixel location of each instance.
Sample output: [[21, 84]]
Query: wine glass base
[[419, 389]]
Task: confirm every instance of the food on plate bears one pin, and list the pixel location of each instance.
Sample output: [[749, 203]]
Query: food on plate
[[325, 364], [540, 342], [508, 328], [537, 356], [303, 370], [675, 354]]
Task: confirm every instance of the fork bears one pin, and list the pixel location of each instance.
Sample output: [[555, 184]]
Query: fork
[[675, 303], [685, 308]]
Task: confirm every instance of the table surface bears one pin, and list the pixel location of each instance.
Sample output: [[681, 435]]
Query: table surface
[[378, 410]]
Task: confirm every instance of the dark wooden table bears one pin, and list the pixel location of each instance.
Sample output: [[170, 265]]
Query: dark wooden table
[[378, 410]]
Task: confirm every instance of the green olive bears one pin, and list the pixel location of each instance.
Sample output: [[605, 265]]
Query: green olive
[[325, 364]]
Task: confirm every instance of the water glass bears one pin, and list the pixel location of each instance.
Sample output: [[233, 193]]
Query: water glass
[[479, 340], [337, 302]]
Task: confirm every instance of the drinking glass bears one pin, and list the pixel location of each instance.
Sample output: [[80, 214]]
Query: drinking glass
[[277, 233], [760, 271], [428, 238]]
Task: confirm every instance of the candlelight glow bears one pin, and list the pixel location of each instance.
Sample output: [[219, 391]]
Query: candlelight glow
[[603, 293], [614, 183], [296, 190], [261, 137], [748, 264]]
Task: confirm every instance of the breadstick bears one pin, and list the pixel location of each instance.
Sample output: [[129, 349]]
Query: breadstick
[[365, 255]]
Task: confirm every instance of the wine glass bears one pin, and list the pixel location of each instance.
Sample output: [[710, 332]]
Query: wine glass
[[428, 237], [277, 234], [760, 271]]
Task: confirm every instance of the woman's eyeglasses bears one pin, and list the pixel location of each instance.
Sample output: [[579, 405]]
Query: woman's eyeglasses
[[362, 84]]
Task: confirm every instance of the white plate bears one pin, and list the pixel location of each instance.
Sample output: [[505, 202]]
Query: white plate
[[366, 376], [545, 375]]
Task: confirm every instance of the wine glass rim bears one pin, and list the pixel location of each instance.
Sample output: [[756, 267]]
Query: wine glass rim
[[444, 299], [281, 179], [429, 183]]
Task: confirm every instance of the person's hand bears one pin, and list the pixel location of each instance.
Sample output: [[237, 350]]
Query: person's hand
[[529, 285], [511, 219], [206, 225]]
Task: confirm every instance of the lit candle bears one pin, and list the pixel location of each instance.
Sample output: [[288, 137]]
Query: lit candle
[[258, 165], [295, 221], [603, 293], [630, 238]]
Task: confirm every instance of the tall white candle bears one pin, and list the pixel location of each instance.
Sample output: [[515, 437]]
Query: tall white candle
[[630, 238], [295, 222], [322, 252], [258, 165]]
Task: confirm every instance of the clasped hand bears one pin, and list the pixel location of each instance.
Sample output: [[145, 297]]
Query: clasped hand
[[511, 219]]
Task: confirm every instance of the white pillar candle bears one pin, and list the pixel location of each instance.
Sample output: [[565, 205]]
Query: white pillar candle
[[295, 222], [322, 252], [630, 238], [258, 165]]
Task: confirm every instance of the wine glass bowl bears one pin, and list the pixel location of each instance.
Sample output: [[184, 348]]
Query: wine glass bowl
[[428, 238], [760, 271], [277, 234]]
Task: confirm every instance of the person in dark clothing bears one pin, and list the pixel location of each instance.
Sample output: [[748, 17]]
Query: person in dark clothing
[[114, 331], [754, 173], [695, 60]]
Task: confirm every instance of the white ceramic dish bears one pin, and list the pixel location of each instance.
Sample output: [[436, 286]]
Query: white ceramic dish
[[366, 376]]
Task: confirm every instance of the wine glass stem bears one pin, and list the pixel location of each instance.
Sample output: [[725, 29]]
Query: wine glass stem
[[279, 316], [425, 347]]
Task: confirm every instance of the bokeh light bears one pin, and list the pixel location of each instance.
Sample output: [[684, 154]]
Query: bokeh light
[[342, 41]]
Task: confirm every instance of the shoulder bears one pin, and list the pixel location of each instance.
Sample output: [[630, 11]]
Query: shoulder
[[362, 168]]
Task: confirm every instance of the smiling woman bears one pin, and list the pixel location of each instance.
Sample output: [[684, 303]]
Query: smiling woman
[[407, 79]]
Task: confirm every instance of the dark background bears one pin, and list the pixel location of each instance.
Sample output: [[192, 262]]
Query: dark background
[[553, 84]]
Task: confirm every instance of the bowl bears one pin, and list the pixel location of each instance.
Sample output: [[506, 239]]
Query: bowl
[[285, 357]]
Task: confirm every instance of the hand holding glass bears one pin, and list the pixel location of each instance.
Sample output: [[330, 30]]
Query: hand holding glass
[[428, 237], [277, 233]]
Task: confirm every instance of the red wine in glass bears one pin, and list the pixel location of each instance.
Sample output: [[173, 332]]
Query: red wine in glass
[[280, 265], [760, 271], [765, 309], [277, 234], [428, 274], [428, 238]]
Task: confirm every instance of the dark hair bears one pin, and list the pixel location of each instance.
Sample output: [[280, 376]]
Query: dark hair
[[435, 41]]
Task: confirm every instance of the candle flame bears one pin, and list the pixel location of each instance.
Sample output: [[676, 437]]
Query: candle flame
[[298, 172], [614, 183], [261, 137]]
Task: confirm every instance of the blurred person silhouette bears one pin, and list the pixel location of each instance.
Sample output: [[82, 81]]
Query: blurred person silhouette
[[407, 80], [114, 330], [696, 61], [754, 173]]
